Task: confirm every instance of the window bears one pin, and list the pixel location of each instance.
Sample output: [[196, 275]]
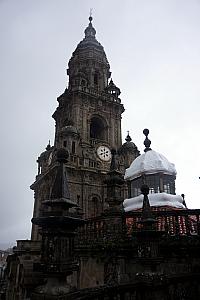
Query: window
[[73, 147], [96, 77], [98, 128], [157, 183]]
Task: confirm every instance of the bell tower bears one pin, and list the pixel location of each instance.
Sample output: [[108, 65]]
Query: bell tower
[[90, 103], [88, 126]]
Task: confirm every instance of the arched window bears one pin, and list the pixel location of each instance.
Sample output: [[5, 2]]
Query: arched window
[[96, 79], [98, 128]]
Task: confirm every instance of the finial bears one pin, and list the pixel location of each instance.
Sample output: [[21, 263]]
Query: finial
[[128, 138], [111, 82], [90, 17], [90, 31], [147, 217], [48, 147], [147, 142], [144, 189], [184, 203]]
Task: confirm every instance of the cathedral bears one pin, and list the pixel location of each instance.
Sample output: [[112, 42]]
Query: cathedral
[[107, 223]]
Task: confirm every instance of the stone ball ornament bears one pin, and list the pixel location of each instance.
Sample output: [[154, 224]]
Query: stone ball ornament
[[62, 155]]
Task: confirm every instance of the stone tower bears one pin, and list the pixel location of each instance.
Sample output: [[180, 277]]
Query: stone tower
[[88, 125]]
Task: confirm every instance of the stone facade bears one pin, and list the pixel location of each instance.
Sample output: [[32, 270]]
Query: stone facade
[[88, 124]]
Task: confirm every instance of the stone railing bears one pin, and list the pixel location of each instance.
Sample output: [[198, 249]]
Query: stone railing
[[116, 227], [172, 222], [96, 92]]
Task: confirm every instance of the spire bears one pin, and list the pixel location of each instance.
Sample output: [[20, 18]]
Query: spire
[[59, 196], [128, 138], [90, 31], [87, 71], [147, 142], [58, 227]]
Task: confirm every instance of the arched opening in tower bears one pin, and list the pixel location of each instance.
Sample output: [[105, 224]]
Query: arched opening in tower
[[98, 128]]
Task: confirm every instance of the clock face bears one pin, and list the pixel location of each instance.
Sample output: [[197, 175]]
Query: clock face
[[104, 153]]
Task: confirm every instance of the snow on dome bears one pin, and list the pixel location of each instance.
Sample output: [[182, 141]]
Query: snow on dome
[[150, 162], [156, 200]]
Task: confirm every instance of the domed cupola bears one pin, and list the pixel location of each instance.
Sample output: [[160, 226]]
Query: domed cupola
[[113, 89], [89, 60], [129, 151], [153, 169], [90, 31], [129, 146]]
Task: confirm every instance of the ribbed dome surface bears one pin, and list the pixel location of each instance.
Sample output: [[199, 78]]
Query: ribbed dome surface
[[128, 146], [90, 39], [89, 59], [150, 162]]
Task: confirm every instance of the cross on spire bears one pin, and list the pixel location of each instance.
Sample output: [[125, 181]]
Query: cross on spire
[[90, 17]]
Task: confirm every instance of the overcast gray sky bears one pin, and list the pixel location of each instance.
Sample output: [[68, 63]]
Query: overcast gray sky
[[153, 47]]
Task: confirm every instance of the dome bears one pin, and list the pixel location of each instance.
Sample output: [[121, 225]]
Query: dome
[[113, 89], [46, 152], [89, 58], [90, 39], [128, 146], [150, 162], [89, 47]]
